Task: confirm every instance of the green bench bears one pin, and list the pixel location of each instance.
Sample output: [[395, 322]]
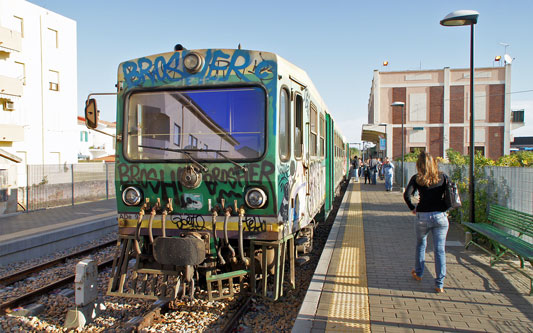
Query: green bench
[[504, 241]]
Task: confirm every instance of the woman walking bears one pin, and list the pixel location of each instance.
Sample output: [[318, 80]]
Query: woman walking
[[388, 171], [430, 216]]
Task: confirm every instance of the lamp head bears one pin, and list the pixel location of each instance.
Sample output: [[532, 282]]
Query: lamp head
[[460, 17], [398, 104]]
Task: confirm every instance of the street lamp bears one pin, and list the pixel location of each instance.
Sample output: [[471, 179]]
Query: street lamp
[[460, 18], [402, 104]]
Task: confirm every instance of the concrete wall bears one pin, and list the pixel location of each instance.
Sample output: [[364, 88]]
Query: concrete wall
[[48, 116]]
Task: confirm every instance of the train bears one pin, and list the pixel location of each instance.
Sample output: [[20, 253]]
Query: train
[[226, 160]]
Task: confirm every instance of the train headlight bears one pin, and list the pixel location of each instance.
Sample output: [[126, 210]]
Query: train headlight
[[193, 62], [255, 198], [131, 196]]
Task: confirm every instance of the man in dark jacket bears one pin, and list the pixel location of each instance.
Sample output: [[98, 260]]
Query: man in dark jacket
[[373, 169]]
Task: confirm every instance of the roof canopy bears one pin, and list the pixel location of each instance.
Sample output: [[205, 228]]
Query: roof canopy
[[373, 133]]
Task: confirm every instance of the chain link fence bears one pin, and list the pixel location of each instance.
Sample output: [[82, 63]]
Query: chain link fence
[[68, 184]]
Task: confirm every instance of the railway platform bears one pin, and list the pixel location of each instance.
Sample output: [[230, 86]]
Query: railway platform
[[38, 233], [363, 281]]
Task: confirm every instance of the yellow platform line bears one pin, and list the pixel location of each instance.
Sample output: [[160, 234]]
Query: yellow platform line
[[346, 287]]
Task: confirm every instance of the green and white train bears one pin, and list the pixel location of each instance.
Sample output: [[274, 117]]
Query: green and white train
[[225, 160]]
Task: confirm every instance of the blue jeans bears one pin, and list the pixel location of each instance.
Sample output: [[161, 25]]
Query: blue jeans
[[388, 179], [373, 176], [436, 223]]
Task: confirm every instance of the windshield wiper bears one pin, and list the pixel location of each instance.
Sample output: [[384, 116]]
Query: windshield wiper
[[186, 151], [243, 168]]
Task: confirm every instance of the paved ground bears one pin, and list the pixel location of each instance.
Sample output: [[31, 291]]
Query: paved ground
[[478, 297], [377, 293], [41, 221]]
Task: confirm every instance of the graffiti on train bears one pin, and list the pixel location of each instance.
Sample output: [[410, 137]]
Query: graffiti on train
[[218, 64], [219, 182], [316, 187], [284, 191], [189, 221]]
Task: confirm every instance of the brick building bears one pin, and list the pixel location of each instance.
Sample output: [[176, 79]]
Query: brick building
[[437, 111]]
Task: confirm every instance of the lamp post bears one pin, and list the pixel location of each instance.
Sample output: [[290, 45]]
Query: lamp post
[[460, 18], [402, 104]]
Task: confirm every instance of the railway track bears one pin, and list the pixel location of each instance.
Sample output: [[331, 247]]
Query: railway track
[[232, 323], [21, 275], [160, 307], [26, 298]]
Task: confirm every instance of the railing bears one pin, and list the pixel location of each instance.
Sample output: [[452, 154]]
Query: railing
[[67, 184], [512, 186]]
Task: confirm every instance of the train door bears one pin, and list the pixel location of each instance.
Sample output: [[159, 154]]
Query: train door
[[330, 158]]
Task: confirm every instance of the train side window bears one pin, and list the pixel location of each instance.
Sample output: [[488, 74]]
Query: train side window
[[298, 126], [322, 134], [313, 130], [284, 125]]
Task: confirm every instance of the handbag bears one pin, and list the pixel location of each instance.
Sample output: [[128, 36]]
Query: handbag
[[452, 200]]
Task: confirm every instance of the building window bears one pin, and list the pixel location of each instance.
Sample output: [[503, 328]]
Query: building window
[[19, 25], [517, 116], [193, 141], [53, 80], [284, 125], [417, 107], [313, 129], [84, 136], [478, 150], [177, 135], [53, 38], [417, 149], [298, 126]]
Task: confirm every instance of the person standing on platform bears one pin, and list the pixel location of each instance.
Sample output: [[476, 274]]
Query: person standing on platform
[[366, 171], [388, 171], [430, 216], [374, 165], [355, 163]]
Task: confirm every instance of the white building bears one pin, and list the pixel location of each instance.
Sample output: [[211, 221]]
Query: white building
[[38, 89], [94, 145]]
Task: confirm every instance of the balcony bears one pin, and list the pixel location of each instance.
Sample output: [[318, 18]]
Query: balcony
[[10, 86], [10, 40]]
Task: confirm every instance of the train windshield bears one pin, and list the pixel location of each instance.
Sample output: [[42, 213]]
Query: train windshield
[[208, 124]]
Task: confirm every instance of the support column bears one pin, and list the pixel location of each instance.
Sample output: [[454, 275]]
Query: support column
[[507, 112], [446, 111]]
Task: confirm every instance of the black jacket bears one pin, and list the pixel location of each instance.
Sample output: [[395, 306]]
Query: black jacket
[[431, 197]]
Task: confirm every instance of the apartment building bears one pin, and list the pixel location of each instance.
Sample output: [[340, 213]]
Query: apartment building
[[96, 145], [38, 90], [436, 114]]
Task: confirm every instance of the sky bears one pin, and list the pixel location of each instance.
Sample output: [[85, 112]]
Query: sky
[[338, 43]]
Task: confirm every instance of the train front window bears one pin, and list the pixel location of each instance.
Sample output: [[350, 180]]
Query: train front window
[[207, 124]]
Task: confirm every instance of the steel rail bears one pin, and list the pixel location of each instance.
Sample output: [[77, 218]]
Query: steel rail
[[232, 322], [26, 298], [22, 274]]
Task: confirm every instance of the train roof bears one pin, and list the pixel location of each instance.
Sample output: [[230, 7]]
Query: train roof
[[284, 66]]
